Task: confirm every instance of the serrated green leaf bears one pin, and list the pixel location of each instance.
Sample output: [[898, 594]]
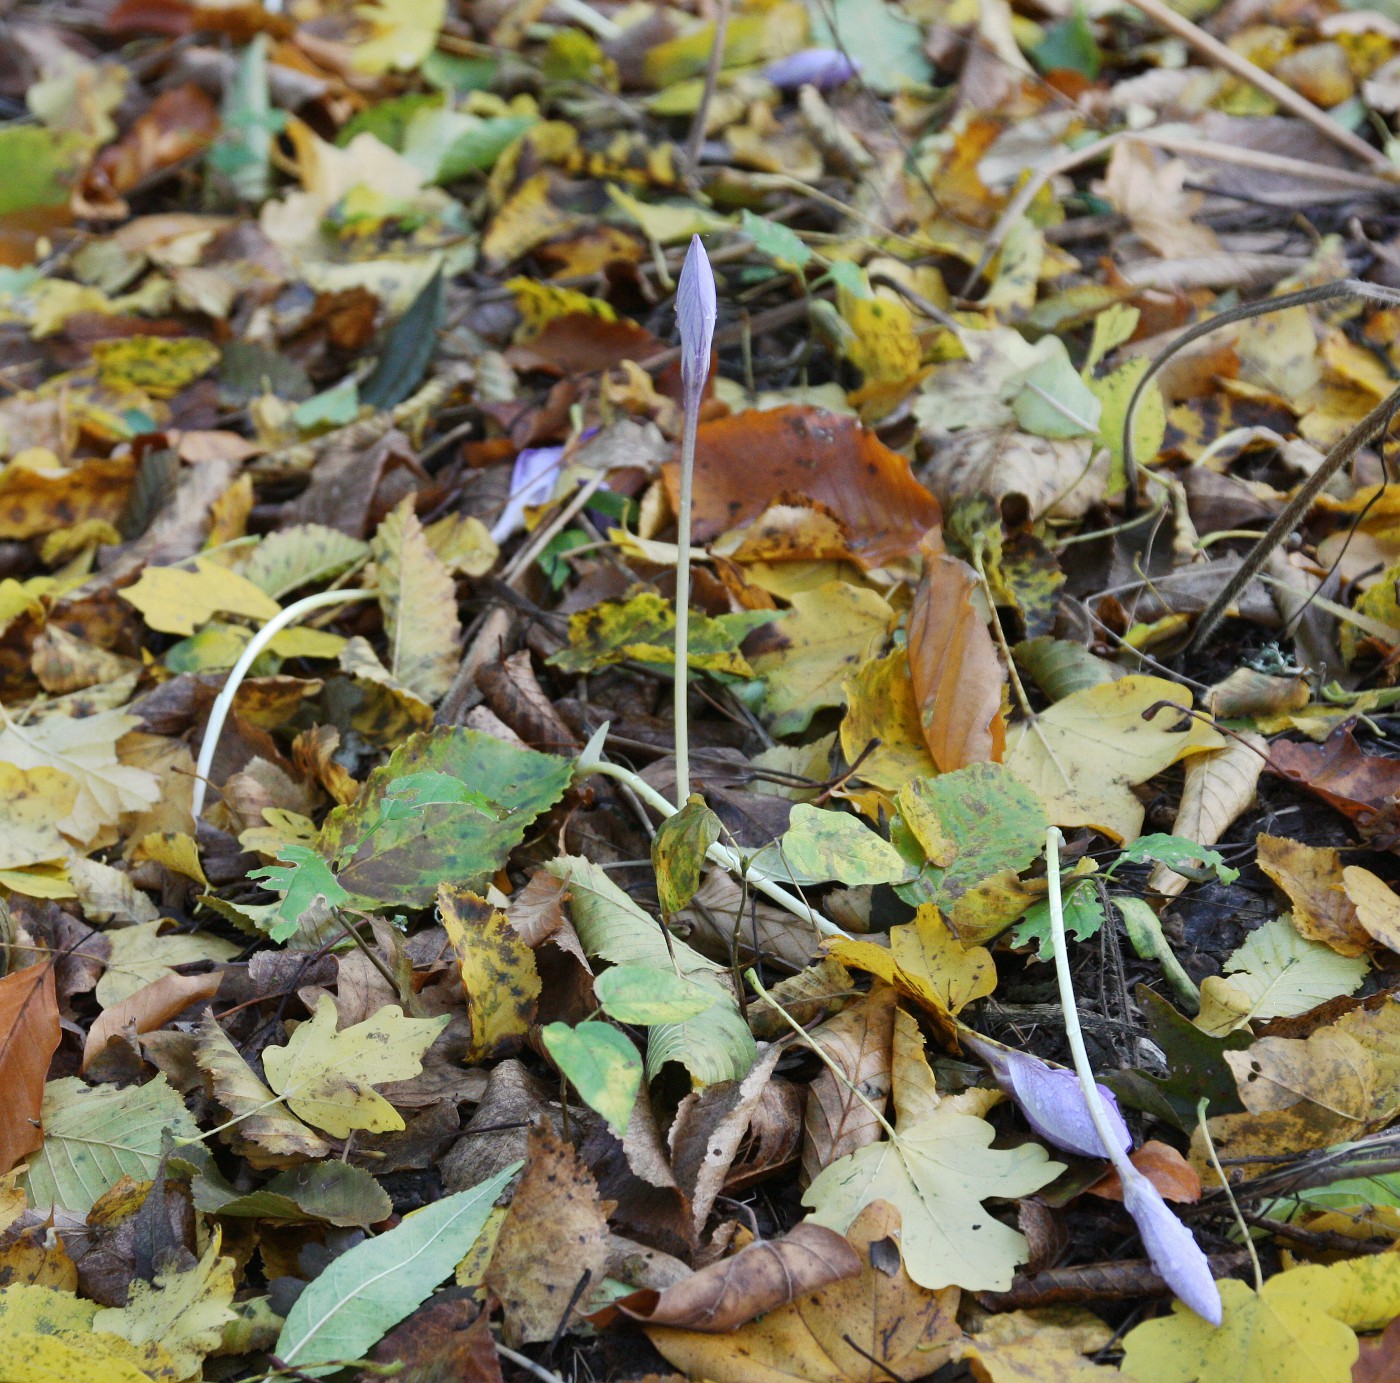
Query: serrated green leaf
[[1084, 916], [300, 555], [601, 1064], [1173, 850], [371, 1287], [308, 887]]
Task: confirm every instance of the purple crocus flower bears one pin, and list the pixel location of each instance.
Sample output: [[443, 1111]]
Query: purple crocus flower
[[1174, 1252], [1051, 1098], [531, 482], [697, 308], [822, 68]]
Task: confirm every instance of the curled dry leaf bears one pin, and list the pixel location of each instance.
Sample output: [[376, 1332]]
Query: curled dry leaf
[[149, 1008], [29, 1024], [954, 666], [1361, 786], [765, 1275], [1163, 1166]]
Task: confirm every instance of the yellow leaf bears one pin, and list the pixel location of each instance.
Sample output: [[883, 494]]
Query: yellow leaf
[[39, 881], [140, 955], [47, 1336], [177, 600], [328, 1076], [1270, 1338], [182, 1311], [883, 346], [1085, 754], [175, 850], [498, 972], [1311, 876], [1377, 907], [159, 365], [49, 1359], [464, 543], [31, 806], [881, 707], [1363, 1293], [528, 218], [84, 748], [664, 223], [539, 303], [402, 34], [419, 602]]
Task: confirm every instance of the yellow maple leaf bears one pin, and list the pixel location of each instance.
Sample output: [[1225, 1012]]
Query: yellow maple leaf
[[327, 1077]]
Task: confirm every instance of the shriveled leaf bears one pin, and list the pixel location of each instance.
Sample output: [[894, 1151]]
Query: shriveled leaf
[[499, 976]]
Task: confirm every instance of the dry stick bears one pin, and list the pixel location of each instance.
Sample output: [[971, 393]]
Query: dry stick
[[1371, 426], [1212, 48], [702, 113]]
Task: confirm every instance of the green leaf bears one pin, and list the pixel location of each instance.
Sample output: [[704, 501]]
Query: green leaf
[[331, 1191], [847, 274], [309, 890], [38, 167], [888, 46], [403, 861], [972, 825], [1084, 916], [777, 241], [678, 851], [408, 348], [371, 1287], [601, 1064], [1114, 391], [713, 1046], [1175, 850], [388, 121], [1112, 327], [821, 845], [1053, 400], [1144, 930], [242, 152], [448, 144], [1069, 44], [95, 1135], [418, 790], [1061, 667], [333, 407], [646, 996]]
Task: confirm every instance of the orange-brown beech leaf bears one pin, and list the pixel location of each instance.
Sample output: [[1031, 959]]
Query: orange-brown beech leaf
[[954, 667], [1163, 1166], [180, 122], [859, 1041], [1379, 1359], [29, 1037], [1361, 786], [754, 459], [554, 1237], [759, 1278], [149, 1008], [864, 1329]]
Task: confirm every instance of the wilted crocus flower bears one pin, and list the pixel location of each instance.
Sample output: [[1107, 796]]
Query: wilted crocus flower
[[1171, 1247], [1051, 1098], [532, 481], [822, 68], [696, 311]]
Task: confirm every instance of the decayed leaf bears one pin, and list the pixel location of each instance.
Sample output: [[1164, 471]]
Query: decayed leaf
[[1037, 1347], [1220, 785], [837, 1121], [1345, 776], [29, 1036], [832, 631], [498, 972], [881, 707], [1083, 756], [327, 1077], [1311, 876], [862, 1329], [266, 1134], [554, 1237], [85, 749], [419, 601], [182, 1311], [953, 664], [1276, 973], [762, 1277]]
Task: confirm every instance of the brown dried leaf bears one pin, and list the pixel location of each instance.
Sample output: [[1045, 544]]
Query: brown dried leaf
[[555, 1237], [863, 1329], [29, 1024], [1361, 786], [149, 1008], [1163, 1166], [1311, 876], [953, 664], [762, 1277]]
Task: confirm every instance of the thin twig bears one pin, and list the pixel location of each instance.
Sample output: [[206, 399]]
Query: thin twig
[[702, 113]]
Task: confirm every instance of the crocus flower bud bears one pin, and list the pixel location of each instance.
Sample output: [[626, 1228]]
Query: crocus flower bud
[[822, 68], [1171, 1247], [696, 310]]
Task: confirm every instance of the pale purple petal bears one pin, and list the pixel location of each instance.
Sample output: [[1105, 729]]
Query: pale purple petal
[[697, 307], [1051, 1098], [819, 67], [1174, 1252], [531, 482]]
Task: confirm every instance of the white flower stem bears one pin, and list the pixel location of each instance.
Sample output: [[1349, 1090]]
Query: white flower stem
[[224, 702], [682, 663], [1097, 1113]]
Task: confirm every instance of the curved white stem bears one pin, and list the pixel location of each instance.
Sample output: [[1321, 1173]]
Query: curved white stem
[[256, 644]]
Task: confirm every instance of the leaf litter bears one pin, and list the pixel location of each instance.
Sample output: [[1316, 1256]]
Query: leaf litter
[[532, 744]]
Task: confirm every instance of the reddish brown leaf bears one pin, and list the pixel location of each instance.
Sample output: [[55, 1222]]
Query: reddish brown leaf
[[1359, 785], [1163, 1166], [443, 1340], [1379, 1360], [954, 667], [29, 1024], [756, 1279], [754, 459], [578, 344]]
